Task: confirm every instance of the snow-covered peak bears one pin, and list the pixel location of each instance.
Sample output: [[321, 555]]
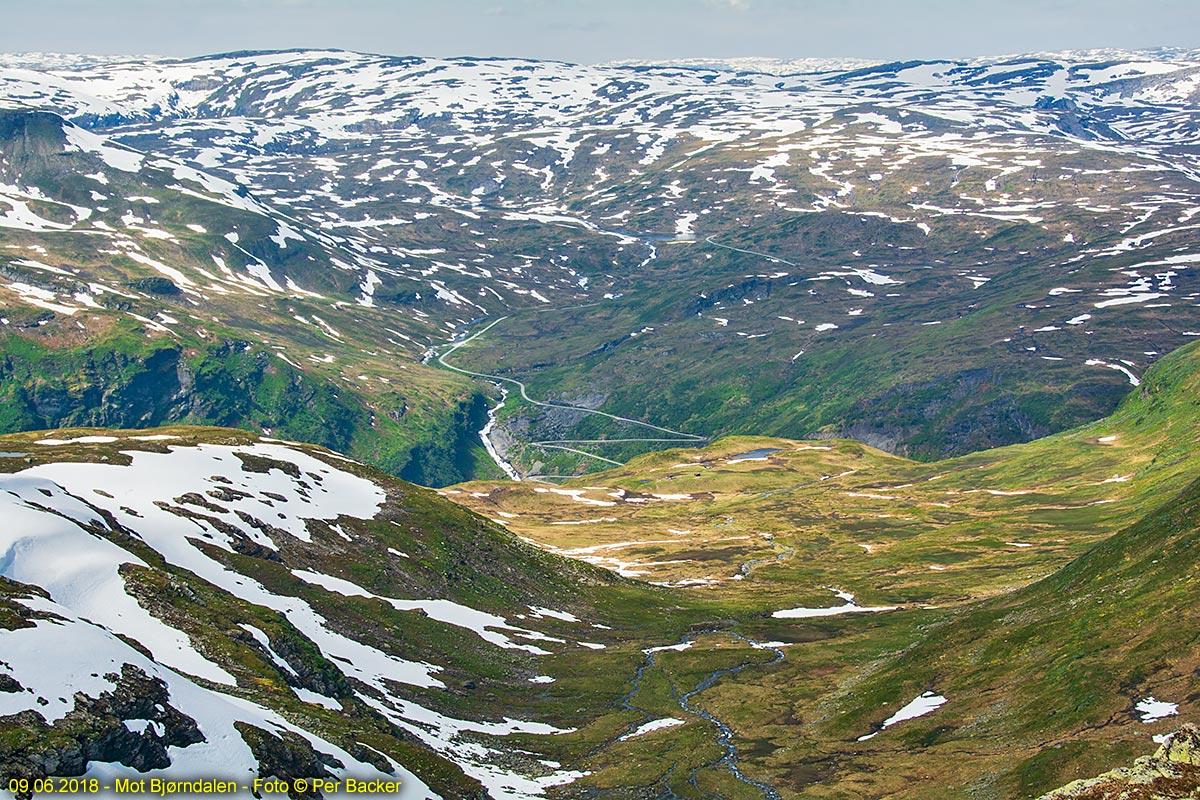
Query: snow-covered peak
[[766, 66]]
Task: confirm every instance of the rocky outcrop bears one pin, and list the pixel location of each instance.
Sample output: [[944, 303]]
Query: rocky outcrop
[[287, 756], [28, 138], [95, 730], [1172, 773]]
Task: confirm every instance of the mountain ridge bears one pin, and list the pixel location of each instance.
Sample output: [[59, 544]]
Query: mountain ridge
[[424, 195], [242, 569]]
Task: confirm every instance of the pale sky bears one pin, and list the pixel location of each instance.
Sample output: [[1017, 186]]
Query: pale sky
[[591, 31]]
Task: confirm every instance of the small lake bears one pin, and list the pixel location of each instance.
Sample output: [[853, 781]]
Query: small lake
[[754, 454]]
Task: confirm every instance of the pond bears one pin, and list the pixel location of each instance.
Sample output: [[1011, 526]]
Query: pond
[[755, 455]]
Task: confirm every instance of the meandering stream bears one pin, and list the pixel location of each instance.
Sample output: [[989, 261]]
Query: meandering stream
[[687, 704]]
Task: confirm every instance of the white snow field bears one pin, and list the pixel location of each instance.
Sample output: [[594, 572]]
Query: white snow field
[[58, 534]]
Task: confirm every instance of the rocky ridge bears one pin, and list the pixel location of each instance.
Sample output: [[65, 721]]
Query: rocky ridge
[[1171, 773]]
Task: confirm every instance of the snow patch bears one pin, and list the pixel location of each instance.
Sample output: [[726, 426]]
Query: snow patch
[[1152, 710], [925, 704], [848, 608], [650, 727]]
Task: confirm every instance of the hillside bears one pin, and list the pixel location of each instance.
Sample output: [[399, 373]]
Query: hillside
[[296, 614], [932, 257], [1038, 591], [206, 603], [783, 516], [1074, 672], [861, 404], [1169, 773]]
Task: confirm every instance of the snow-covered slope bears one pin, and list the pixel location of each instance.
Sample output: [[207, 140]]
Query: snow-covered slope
[[404, 198], [370, 147], [213, 573]]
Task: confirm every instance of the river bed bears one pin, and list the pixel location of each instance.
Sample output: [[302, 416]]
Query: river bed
[[485, 435]]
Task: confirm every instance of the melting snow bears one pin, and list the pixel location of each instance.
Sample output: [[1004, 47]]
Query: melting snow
[[576, 495], [549, 612], [919, 707], [649, 727], [59, 658], [848, 608], [79, 439], [1133, 379], [115, 157], [481, 623], [44, 542], [1152, 710]]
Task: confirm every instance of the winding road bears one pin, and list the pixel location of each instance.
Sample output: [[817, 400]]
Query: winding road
[[561, 444], [687, 701], [555, 444], [772, 259]]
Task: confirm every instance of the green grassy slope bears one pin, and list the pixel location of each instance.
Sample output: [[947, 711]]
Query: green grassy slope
[[150, 307], [1041, 650], [418, 546], [1044, 590], [715, 342], [819, 513], [1052, 673]]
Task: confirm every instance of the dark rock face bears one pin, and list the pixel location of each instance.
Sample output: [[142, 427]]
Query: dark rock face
[[970, 410], [29, 136], [101, 388], [95, 730], [449, 454], [233, 384], [751, 288], [287, 756], [155, 285], [310, 669]]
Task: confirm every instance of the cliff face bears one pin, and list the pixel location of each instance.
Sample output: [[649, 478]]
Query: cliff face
[[94, 730], [145, 383], [1172, 772], [28, 138]]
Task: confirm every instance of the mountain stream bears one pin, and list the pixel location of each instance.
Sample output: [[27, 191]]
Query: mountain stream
[[687, 704]]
